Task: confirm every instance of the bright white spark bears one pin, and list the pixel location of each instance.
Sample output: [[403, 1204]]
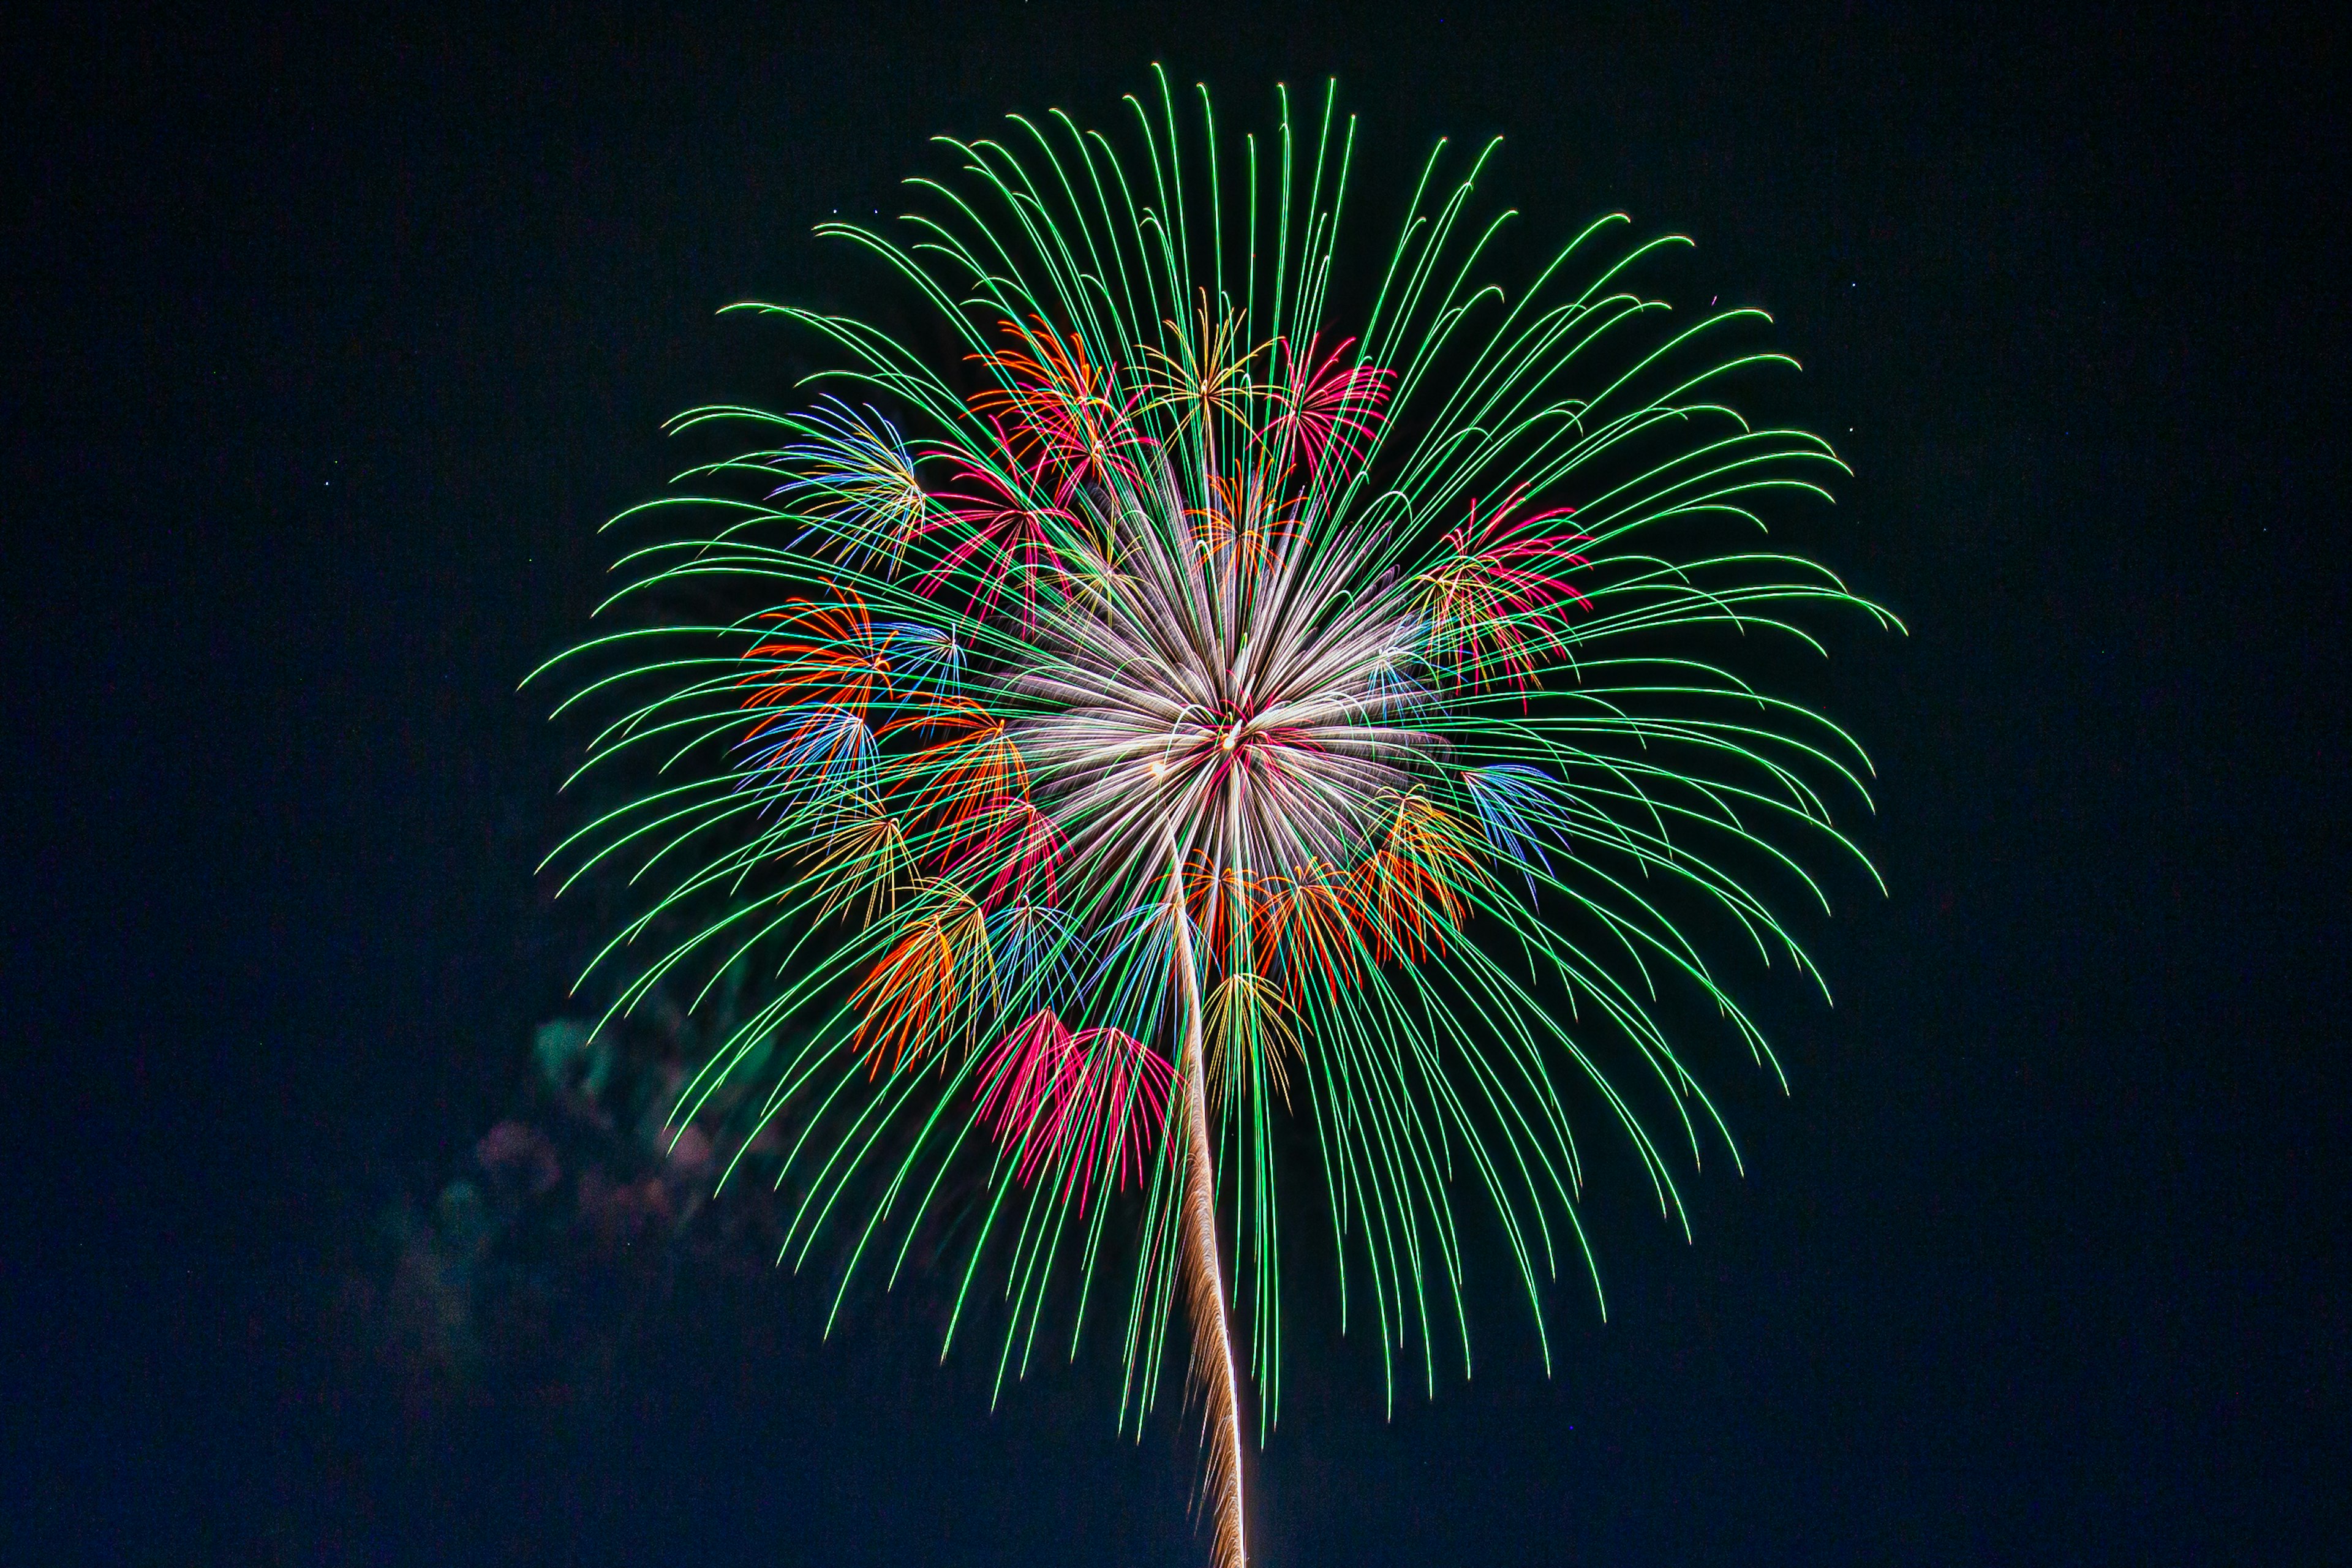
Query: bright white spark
[[1241, 705]]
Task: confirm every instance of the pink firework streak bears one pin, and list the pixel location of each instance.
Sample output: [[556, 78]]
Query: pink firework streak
[[1332, 409], [1085, 1102]]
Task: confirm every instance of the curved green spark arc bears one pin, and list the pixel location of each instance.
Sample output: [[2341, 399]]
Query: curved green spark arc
[[1343, 726]]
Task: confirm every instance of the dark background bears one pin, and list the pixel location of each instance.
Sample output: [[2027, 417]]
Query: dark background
[[329, 344]]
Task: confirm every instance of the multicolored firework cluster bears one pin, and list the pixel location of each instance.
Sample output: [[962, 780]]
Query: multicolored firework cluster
[[1163, 721]]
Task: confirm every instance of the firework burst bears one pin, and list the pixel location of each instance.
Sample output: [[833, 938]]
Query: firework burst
[[1169, 720]]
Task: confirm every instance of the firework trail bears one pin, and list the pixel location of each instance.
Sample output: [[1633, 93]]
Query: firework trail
[[1166, 719]]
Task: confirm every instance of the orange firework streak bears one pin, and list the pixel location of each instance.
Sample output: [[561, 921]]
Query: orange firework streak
[[825, 651], [1410, 889], [923, 981], [956, 778]]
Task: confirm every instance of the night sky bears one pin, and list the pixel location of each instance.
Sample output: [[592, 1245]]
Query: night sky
[[330, 344]]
